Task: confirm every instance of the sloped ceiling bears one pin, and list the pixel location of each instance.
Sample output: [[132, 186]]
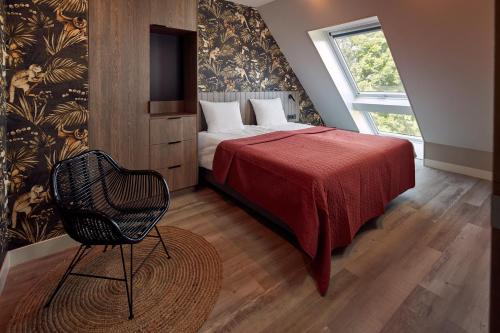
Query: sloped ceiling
[[443, 49]]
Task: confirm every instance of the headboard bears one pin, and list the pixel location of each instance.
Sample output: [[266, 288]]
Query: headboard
[[290, 106]]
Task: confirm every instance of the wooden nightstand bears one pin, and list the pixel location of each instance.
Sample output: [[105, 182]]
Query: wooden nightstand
[[173, 149]]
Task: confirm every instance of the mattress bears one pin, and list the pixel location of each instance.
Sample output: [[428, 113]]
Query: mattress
[[208, 142]]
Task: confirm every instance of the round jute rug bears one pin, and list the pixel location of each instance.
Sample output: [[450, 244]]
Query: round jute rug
[[175, 295]]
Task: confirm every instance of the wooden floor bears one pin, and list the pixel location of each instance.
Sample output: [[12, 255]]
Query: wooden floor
[[422, 267]]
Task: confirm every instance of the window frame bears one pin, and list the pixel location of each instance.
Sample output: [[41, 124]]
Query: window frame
[[371, 123], [352, 30]]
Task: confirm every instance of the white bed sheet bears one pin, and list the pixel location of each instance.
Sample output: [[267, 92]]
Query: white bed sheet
[[208, 142]]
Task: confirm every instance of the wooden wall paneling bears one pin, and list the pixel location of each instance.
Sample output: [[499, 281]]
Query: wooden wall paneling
[[250, 114], [202, 96], [119, 80], [495, 281], [495, 208], [242, 100], [293, 107], [284, 101], [178, 14], [247, 108], [140, 127], [190, 46], [99, 35]]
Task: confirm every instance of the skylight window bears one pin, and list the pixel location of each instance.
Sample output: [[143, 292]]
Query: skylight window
[[368, 62], [359, 60]]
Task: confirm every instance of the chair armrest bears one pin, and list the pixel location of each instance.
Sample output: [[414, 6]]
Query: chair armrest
[[141, 189], [91, 227]]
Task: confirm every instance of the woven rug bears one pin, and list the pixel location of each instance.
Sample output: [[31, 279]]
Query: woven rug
[[175, 295]]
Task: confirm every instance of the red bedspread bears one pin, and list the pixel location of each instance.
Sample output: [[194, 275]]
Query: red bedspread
[[322, 182]]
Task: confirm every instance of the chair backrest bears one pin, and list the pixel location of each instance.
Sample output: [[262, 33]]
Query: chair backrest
[[81, 181]]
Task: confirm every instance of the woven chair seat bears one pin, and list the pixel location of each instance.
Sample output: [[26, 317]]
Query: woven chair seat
[[136, 225]]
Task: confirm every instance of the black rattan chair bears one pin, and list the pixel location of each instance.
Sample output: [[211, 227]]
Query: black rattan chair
[[101, 203]]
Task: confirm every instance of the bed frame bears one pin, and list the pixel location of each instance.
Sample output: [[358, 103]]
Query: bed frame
[[269, 220]]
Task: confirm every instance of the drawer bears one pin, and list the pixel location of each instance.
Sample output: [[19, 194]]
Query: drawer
[[180, 176], [172, 129], [189, 128], [167, 154]]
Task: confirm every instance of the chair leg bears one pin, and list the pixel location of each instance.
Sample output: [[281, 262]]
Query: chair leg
[[162, 242], [78, 256], [129, 298], [132, 276]]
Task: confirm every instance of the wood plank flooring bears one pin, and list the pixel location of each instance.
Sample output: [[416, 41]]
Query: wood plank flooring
[[421, 267]]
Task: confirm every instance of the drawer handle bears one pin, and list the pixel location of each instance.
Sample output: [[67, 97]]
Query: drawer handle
[[174, 142], [174, 167], [174, 118]]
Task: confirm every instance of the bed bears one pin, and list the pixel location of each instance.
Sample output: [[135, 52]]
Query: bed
[[322, 183]]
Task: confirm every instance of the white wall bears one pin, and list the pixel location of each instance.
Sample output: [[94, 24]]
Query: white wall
[[443, 49]]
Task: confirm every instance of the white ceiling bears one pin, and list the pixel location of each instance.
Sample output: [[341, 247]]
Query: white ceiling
[[253, 3]]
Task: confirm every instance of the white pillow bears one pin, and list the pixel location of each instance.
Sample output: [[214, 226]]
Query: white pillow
[[222, 117], [268, 112]]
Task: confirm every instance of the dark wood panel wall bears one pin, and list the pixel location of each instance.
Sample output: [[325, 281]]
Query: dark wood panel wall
[[495, 208], [119, 84], [179, 14]]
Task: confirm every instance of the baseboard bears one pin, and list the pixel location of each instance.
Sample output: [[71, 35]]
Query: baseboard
[[31, 252], [40, 250], [4, 271], [472, 172]]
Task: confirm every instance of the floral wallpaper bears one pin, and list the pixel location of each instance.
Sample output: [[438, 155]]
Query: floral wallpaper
[[3, 142], [47, 108], [238, 53]]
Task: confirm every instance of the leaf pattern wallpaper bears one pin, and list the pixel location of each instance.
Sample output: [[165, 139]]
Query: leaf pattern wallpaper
[[43, 100], [3, 142], [47, 108], [238, 53]]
